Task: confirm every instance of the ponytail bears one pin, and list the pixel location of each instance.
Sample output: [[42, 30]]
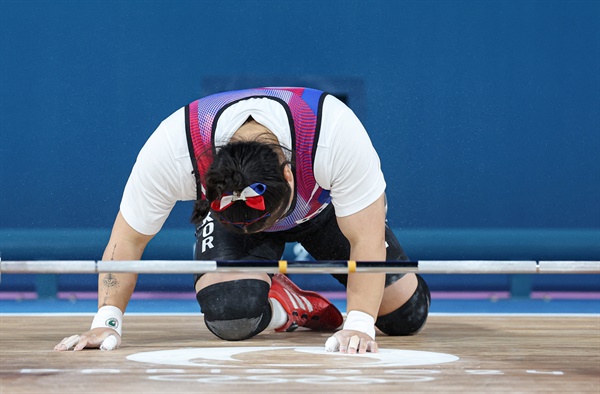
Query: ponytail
[[235, 167]]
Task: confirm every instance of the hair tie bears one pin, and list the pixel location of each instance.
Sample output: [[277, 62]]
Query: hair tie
[[251, 195]]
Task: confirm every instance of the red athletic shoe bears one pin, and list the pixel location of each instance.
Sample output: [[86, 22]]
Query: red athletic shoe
[[304, 308]]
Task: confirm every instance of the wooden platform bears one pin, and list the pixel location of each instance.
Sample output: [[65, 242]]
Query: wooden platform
[[177, 354]]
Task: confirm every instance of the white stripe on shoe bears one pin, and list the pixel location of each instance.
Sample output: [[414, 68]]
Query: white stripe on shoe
[[307, 302], [299, 301], [292, 298]]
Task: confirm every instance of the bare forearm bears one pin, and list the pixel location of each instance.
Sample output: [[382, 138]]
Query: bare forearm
[[364, 292], [366, 232], [116, 288]]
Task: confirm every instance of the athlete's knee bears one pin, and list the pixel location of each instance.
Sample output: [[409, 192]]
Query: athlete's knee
[[410, 318], [237, 309]]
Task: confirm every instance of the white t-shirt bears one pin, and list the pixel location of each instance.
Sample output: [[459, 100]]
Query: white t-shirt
[[345, 162]]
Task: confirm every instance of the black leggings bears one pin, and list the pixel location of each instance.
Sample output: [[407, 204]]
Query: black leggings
[[323, 239], [320, 236]]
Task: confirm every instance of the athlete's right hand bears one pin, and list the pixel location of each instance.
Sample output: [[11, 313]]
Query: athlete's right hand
[[90, 339]]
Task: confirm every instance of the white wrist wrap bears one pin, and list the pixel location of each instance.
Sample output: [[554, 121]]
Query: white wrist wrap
[[109, 316], [360, 321]]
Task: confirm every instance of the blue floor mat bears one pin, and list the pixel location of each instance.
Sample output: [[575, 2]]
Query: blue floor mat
[[190, 306]]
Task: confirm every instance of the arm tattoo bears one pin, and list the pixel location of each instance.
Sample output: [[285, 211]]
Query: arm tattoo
[[110, 281], [111, 284]]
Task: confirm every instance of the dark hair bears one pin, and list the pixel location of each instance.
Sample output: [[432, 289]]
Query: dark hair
[[236, 166]]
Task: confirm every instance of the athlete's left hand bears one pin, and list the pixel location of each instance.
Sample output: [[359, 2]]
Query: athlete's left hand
[[351, 342]]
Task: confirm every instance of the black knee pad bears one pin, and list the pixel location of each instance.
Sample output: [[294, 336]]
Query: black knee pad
[[410, 317], [237, 309]]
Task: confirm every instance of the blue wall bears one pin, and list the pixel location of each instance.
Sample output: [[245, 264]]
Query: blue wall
[[486, 113]]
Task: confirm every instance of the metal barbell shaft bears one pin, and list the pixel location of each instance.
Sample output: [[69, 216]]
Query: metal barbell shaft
[[202, 266], [332, 267]]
